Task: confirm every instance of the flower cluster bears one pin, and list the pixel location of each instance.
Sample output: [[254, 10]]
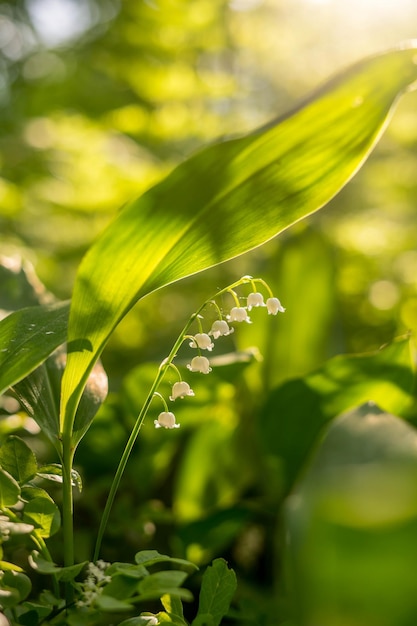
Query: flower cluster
[[205, 340], [94, 583]]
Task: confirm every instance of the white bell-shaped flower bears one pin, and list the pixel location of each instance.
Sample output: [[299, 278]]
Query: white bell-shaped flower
[[203, 341], [255, 299], [274, 306], [199, 364], [180, 390], [219, 328], [238, 314], [166, 419]]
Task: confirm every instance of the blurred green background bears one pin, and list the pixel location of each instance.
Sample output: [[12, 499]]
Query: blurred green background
[[99, 99]]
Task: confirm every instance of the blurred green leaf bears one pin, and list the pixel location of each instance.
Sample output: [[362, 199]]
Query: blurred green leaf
[[161, 580], [296, 411], [198, 489], [213, 533], [106, 603], [122, 584], [43, 566], [136, 621], [9, 489], [146, 558], [173, 606], [17, 587], [94, 394], [217, 590], [19, 285], [299, 342], [44, 514], [27, 337], [352, 524], [255, 187], [164, 583], [127, 570], [18, 459]]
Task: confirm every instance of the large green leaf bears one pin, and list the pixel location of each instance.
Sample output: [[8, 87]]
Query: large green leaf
[[352, 524], [27, 337], [228, 199]]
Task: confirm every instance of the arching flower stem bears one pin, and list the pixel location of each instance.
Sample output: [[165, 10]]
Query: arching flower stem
[[156, 393], [175, 368], [234, 295], [265, 284], [166, 363]]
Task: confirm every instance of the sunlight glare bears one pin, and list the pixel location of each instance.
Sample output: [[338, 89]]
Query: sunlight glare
[[370, 6]]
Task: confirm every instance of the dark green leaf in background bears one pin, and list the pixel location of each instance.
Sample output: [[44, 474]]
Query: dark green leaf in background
[[147, 558], [165, 580], [228, 199], [217, 589]]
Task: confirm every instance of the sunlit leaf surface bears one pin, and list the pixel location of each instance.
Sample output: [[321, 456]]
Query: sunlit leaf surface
[[228, 199], [27, 337]]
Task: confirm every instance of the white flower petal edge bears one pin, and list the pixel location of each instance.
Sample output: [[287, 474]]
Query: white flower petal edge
[[199, 364], [180, 390], [219, 328], [274, 306], [238, 314], [255, 299], [203, 341], [166, 419]]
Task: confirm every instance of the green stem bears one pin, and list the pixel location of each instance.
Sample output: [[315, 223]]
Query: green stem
[[67, 510], [139, 421]]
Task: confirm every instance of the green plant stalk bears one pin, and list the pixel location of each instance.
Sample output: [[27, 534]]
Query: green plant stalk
[[140, 419], [67, 510]]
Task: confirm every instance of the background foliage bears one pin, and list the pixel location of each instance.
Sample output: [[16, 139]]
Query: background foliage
[[98, 101]]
